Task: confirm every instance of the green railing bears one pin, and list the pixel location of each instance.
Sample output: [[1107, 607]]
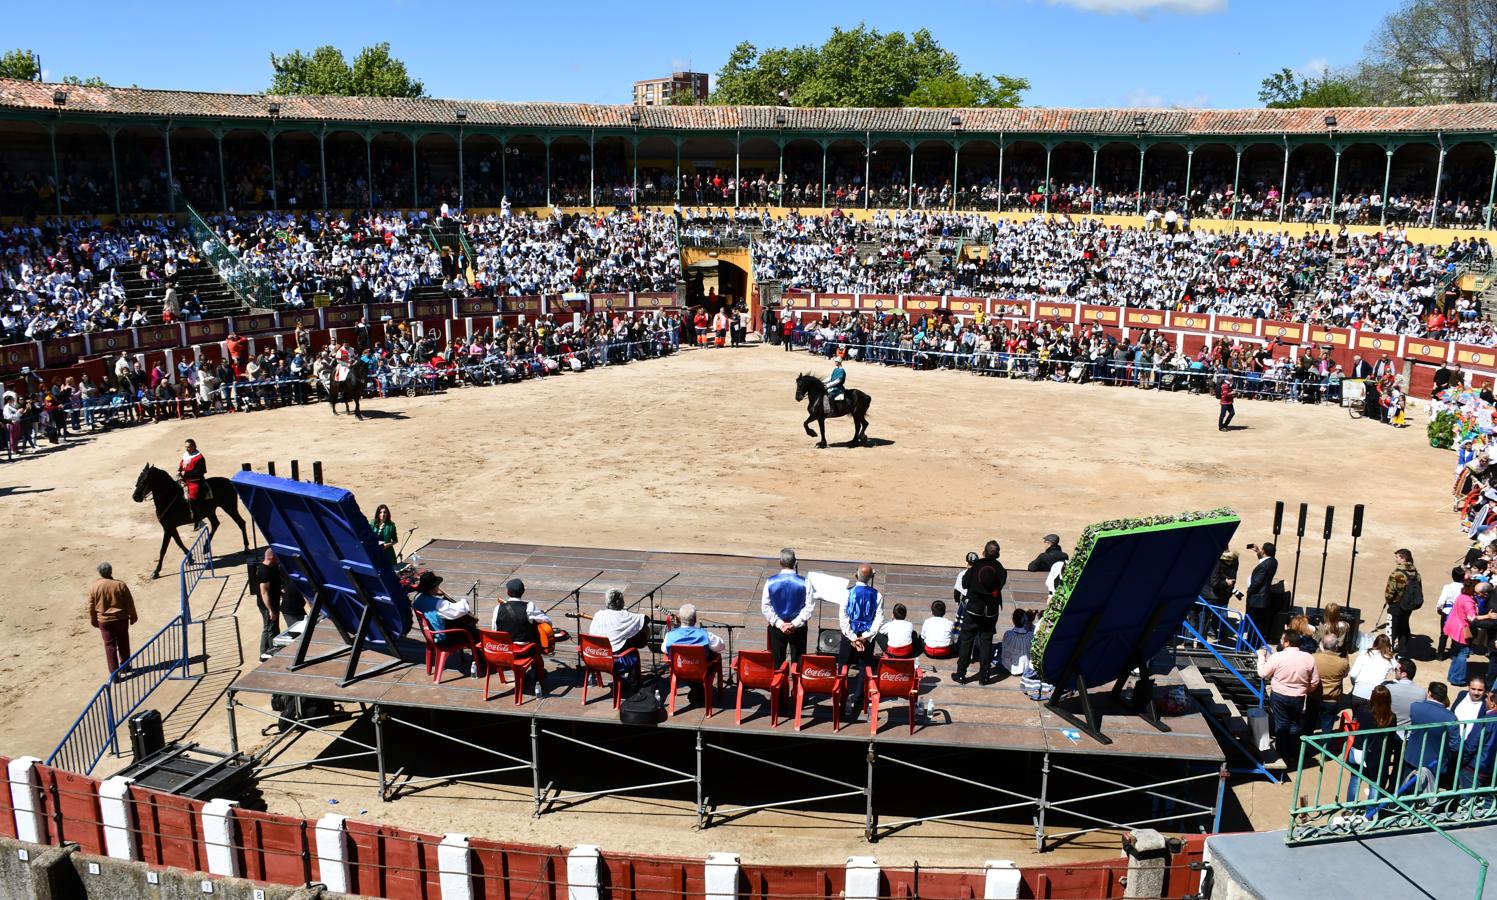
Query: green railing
[[1460, 789], [253, 288]]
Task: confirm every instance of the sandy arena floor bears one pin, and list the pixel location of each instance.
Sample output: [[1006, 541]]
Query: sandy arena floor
[[704, 452]]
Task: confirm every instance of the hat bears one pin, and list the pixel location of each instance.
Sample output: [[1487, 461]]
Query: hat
[[1229, 555], [514, 587], [1052, 539], [428, 580]]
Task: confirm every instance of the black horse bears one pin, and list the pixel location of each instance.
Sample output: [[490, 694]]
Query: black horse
[[854, 402], [173, 511], [350, 389]]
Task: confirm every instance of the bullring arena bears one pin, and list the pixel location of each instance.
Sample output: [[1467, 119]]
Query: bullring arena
[[607, 429]]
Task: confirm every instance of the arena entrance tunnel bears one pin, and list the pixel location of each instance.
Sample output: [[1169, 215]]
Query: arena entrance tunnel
[[714, 277]]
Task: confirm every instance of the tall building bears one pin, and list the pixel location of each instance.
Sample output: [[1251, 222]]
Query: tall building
[[660, 91]]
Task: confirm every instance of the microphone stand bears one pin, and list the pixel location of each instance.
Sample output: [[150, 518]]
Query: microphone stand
[[650, 595], [575, 595], [400, 554]]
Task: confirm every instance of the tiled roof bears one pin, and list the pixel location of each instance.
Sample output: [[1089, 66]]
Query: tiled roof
[[1474, 117]]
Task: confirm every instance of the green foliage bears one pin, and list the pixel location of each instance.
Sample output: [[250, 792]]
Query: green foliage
[[1441, 430], [90, 81], [19, 64], [1285, 90], [861, 67], [374, 73]]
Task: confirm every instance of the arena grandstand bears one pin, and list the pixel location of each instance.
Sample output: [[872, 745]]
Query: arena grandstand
[[632, 288]]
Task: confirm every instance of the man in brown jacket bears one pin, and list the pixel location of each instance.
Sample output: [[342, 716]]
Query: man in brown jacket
[[111, 609]]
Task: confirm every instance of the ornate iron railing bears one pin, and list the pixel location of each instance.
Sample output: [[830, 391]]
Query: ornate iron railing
[[1438, 776]]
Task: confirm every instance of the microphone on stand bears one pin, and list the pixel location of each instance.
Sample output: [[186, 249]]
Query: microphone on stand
[[400, 554]]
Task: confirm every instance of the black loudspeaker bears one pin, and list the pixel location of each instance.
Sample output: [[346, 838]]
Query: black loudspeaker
[[1356, 520], [146, 735], [1304, 510], [828, 641], [1330, 515], [1278, 518]]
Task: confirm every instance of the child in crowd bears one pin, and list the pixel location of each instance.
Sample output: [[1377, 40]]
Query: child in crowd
[[897, 636], [1013, 653], [935, 633]]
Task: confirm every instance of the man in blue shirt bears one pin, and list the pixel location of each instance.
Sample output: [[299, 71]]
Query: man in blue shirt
[[860, 617], [787, 608], [1424, 748], [689, 634]]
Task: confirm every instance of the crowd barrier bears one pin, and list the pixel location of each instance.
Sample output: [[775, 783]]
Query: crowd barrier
[[118, 820]]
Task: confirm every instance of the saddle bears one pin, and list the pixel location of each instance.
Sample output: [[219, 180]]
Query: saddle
[[834, 407]]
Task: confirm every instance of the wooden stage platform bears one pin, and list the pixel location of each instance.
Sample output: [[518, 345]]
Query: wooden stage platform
[[726, 590]]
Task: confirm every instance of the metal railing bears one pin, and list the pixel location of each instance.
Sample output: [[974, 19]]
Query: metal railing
[[252, 287], [1189, 633], [1243, 631], [165, 655], [1438, 776]]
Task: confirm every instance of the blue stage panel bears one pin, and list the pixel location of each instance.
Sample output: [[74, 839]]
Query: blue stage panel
[[1122, 573], [323, 528]]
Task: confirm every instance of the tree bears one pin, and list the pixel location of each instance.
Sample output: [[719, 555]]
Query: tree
[[374, 73], [20, 64], [1286, 90], [861, 67], [1436, 51], [90, 81]]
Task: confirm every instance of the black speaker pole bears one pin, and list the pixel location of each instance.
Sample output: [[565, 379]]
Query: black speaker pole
[[1356, 532], [1299, 533], [1325, 549]]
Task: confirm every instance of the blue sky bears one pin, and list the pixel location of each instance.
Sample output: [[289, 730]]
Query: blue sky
[[1074, 52]]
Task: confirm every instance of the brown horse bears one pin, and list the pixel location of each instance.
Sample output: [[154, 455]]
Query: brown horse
[[173, 510]]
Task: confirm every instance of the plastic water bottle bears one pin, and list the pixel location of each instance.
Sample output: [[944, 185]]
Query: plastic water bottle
[[659, 701]]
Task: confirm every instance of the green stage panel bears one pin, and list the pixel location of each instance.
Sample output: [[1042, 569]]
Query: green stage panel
[[1123, 595]]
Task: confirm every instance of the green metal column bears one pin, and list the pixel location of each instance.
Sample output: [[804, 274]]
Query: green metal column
[[1382, 217], [1190, 156], [171, 181], [1048, 150], [114, 171], [415, 181], [910, 198], [780, 178], [322, 163], [956, 172], [678, 170], [1000, 174], [1335, 184], [275, 194], [1434, 208], [592, 169], [1092, 187], [1284, 182], [56, 169], [823, 174], [1236, 178], [867, 169], [1142, 149], [504, 167], [737, 167], [462, 196], [223, 187], [548, 172], [1491, 191], [369, 161], [634, 183]]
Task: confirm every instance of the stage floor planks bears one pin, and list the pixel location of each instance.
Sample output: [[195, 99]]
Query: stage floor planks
[[726, 590]]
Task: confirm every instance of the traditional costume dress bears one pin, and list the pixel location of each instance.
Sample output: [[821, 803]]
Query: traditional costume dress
[[192, 471]]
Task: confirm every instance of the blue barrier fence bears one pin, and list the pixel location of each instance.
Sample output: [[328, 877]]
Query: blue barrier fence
[[165, 655]]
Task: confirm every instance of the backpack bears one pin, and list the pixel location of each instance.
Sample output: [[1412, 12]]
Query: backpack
[[1413, 594], [642, 707]]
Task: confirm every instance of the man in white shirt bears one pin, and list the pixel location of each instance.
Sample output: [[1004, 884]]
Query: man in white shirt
[[787, 607], [624, 629], [1470, 703]]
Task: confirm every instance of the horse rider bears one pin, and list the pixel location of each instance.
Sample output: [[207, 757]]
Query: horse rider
[[192, 471], [836, 384]]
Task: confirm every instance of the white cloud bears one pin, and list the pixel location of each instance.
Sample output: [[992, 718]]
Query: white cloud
[[1144, 7], [1313, 67], [1138, 98]]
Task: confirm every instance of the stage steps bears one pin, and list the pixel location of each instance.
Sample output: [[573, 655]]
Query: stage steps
[[1203, 686]]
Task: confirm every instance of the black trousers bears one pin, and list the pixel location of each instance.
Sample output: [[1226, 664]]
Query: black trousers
[[1398, 628], [976, 642], [1262, 617], [848, 655], [269, 624], [782, 645]]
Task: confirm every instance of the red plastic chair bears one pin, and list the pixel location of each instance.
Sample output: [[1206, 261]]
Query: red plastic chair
[[820, 675], [897, 679], [457, 640], [695, 664], [502, 654], [756, 669], [598, 659]]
